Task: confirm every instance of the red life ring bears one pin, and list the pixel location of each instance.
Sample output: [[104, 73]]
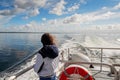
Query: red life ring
[[75, 71]]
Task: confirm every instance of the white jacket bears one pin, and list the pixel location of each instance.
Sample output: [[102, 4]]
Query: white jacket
[[49, 66]]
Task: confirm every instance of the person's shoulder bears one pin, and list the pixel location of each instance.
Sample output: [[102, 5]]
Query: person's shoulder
[[41, 52], [39, 55], [51, 51], [51, 46]]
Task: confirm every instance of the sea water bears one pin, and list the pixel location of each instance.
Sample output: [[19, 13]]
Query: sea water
[[14, 47]]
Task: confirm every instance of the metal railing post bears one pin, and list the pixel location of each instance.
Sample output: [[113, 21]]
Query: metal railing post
[[68, 53], [101, 64], [101, 59]]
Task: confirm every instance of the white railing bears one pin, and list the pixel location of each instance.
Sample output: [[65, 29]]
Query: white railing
[[112, 68], [101, 51], [101, 64]]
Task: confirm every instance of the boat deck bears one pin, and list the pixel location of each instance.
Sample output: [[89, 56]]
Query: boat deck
[[102, 75], [31, 75], [96, 73], [101, 70]]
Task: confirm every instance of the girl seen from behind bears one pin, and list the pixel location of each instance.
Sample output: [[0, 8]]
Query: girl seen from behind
[[47, 58]]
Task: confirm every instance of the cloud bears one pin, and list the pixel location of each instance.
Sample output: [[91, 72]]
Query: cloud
[[67, 24], [44, 19], [11, 12], [32, 8], [59, 8], [104, 14], [30, 27], [36, 27], [114, 8], [117, 6], [70, 22], [6, 3], [6, 12], [29, 7], [27, 4], [4, 19], [104, 8], [53, 22], [72, 19], [83, 1], [73, 8], [34, 12]]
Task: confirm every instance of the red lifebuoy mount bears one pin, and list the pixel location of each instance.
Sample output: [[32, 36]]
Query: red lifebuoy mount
[[75, 72]]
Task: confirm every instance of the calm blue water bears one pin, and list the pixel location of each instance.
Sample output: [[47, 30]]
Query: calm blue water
[[16, 46]]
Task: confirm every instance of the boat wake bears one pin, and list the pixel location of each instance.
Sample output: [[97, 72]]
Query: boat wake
[[74, 51]]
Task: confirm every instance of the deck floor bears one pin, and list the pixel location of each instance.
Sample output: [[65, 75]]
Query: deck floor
[[30, 75], [102, 75]]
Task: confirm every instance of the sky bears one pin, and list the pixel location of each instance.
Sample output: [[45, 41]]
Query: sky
[[59, 15]]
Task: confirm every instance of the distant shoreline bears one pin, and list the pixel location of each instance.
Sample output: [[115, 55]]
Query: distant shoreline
[[33, 32], [77, 32], [21, 32]]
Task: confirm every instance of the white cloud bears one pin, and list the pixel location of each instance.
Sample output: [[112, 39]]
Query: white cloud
[[73, 8], [104, 8], [117, 6], [30, 27], [40, 3], [114, 8], [30, 7], [90, 17], [4, 19], [6, 12], [59, 8], [34, 12], [33, 9], [67, 24], [107, 14], [22, 4], [53, 22], [44, 19], [26, 4], [26, 17], [36, 27], [11, 12], [72, 19], [71, 23], [83, 1]]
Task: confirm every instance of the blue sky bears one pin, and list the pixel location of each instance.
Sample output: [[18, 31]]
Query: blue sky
[[58, 15]]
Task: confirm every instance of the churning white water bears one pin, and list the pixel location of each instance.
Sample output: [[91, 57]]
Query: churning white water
[[79, 53]]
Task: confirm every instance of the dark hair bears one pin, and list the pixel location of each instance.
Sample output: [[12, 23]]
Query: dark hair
[[48, 39]]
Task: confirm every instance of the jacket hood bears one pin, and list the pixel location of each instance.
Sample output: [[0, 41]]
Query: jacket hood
[[50, 51]]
